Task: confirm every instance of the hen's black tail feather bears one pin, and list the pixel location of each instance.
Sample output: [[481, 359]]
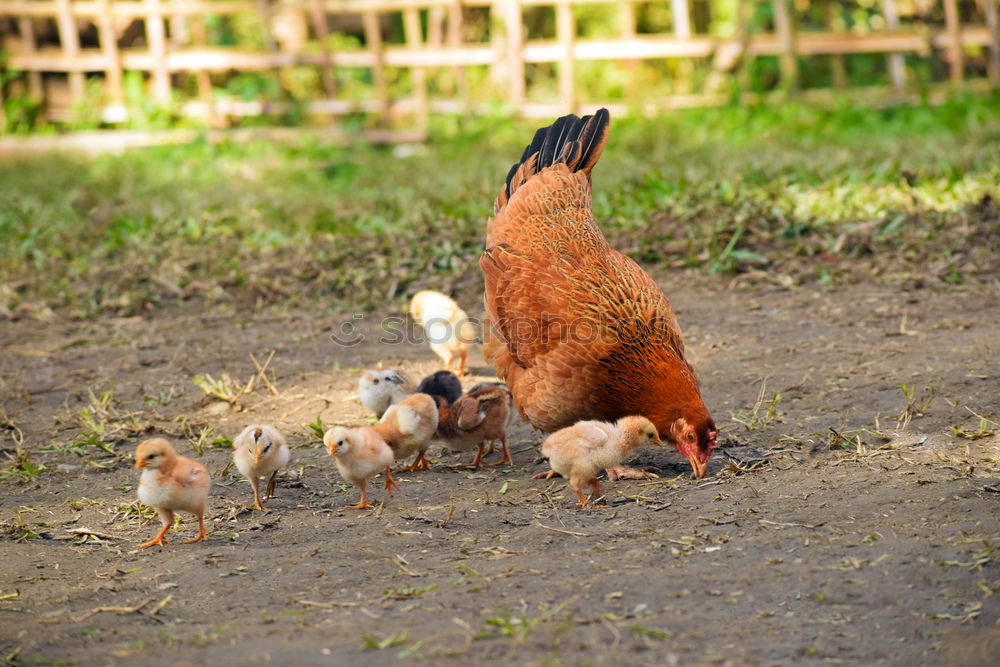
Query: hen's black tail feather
[[571, 140]]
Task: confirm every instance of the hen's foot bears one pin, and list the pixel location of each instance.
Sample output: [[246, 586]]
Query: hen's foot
[[622, 472]]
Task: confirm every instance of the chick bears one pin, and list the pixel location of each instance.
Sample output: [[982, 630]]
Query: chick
[[474, 419], [442, 383], [360, 454], [449, 330], [171, 483], [258, 451], [580, 451], [379, 389], [408, 427]]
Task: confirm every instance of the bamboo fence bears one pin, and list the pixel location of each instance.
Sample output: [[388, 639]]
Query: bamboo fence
[[59, 52]]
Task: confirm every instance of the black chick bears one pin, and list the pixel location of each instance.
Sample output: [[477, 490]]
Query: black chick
[[443, 384]]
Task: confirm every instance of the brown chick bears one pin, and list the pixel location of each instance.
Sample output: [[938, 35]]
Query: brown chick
[[408, 427], [360, 454], [448, 329], [580, 451], [171, 483], [475, 419]]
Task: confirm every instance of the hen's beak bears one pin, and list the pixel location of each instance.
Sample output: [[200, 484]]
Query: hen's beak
[[698, 467], [140, 463]]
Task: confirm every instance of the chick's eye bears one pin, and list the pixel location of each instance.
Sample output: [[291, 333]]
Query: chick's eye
[[375, 381], [649, 435]]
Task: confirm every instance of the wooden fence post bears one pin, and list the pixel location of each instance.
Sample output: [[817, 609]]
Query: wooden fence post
[[515, 51], [991, 10], [109, 47], [455, 21], [70, 41], [157, 39], [956, 55], [838, 65], [566, 35], [897, 71], [318, 15], [26, 25], [784, 25], [373, 38], [414, 39]]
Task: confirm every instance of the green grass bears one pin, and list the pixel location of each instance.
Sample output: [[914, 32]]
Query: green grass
[[806, 194]]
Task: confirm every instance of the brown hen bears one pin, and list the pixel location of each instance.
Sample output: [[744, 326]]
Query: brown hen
[[577, 329]]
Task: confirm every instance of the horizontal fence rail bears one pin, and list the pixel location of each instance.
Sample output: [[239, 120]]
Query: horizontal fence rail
[[397, 61]]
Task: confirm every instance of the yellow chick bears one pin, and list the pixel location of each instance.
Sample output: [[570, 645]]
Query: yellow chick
[[580, 451], [171, 483], [378, 389], [258, 451], [360, 454], [448, 329], [408, 427]]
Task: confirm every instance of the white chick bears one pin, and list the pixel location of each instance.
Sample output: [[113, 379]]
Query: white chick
[[171, 483], [580, 451], [258, 451], [360, 454], [448, 329], [379, 389]]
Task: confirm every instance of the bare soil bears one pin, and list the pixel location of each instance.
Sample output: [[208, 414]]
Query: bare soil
[[858, 527]]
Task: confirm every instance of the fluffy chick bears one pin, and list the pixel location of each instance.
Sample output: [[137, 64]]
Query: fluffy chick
[[171, 483], [258, 451], [580, 451], [360, 454], [408, 427], [379, 389], [449, 330], [442, 383], [475, 419]]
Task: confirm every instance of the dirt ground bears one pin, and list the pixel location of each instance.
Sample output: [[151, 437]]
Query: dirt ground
[[857, 526]]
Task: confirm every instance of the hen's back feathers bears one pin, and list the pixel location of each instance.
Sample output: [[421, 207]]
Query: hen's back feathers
[[571, 140]]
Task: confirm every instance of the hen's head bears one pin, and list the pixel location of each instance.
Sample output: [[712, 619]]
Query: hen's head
[[695, 440]]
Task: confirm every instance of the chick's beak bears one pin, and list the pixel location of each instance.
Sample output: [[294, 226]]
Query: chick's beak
[[140, 463], [256, 455], [696, 465]]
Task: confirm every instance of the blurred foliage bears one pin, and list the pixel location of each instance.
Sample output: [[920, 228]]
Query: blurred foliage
[[605, 81], [785, 195]]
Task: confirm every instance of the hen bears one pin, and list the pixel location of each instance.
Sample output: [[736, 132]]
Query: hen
[[577, 329]]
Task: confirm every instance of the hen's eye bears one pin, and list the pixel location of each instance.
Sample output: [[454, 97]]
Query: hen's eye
[[690, 437]]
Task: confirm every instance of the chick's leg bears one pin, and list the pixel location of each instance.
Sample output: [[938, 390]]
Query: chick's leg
[[363, 504], [270, 485], [390, 483], [506, 453], [479, 456], [623, 472], [255, 483], [546, 475], [166, 520], [201, 530], [462, 359]]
